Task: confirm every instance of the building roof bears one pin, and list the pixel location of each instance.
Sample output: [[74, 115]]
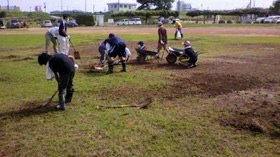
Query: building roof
[[121, 3]]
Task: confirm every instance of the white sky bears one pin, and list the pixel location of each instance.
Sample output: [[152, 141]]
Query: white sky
[[101, 5]]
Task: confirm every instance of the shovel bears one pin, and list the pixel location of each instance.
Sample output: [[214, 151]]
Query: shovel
[[50, 99], [141, 105], [76, 53]]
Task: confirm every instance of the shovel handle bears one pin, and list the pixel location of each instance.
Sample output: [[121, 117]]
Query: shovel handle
[[72, 44]]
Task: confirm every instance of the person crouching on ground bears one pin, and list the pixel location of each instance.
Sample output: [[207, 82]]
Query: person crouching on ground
[[190, 52], [63, 71], [141, 46], [115, 47], [102, 51], [127, 54]]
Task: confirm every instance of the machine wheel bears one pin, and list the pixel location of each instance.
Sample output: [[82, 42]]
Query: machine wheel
[[184, 60], [140, 59], [171, 58]]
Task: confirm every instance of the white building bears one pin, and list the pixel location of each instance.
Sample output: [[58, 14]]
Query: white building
[[9, 8], [182, 6], [116, 7]]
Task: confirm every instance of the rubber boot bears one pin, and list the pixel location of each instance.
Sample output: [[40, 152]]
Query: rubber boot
[[61, 96], [123, 66], [69, 95], [110, 67]]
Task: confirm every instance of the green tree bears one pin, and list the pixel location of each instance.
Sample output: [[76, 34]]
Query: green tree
[[3, 14], [275, 8], [158, 4]]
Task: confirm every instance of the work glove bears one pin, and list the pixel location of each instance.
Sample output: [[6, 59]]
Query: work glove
[[68, 36], [161, 42]]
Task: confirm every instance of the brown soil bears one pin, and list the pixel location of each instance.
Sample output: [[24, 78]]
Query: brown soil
[[247, 87], [247, 31]]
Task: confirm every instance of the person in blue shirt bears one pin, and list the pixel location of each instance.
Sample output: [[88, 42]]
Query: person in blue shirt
[[63, 37], [115, 47]]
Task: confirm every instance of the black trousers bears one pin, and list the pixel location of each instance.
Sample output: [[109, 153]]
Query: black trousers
[[118, 51], [65, 87]]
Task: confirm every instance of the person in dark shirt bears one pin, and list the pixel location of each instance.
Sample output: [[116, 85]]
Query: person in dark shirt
[[102, 51], [141, 46], [63, 37], [190, 52], [162, 38], [115, 47], [64, 71]]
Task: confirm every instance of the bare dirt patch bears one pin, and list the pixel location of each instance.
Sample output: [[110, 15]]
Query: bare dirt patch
[[255, 110], [244, 31], [30, 108]]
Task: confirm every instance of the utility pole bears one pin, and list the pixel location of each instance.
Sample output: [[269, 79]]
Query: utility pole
[[8, 5], [61, 5], [45, 7], [118, 5], [85, 5]]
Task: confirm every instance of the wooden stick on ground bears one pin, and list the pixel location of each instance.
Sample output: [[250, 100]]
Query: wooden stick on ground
[[141, 105]]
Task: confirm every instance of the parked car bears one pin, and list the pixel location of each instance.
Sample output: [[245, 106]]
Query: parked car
[[2, 26], [135, 21], [260, 20], [14, 23], [47, 23], [277, 21], [122, 22], [270, 19], [72, 23]]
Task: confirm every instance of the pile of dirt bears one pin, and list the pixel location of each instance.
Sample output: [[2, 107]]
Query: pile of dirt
[[211, 85], [256, 111]]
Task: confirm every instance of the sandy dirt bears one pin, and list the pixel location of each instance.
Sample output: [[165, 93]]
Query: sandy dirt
[[248, 31]]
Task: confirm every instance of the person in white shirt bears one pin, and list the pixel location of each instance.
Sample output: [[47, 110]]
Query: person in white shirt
[[51, 36]]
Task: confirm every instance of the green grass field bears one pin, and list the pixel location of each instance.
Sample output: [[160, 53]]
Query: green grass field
[[186, 125]]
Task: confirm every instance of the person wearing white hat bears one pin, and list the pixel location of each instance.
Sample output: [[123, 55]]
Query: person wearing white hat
[[190, 52]]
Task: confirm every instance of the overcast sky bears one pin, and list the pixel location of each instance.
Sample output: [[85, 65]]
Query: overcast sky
[[101, 5]]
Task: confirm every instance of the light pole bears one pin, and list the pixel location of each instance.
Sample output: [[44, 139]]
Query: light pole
[[118, 5], [8, 5], [61, 4], [85, 5]]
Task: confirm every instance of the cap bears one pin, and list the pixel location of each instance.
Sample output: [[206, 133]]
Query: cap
[[159, 23], [141, 43], [111, 35]]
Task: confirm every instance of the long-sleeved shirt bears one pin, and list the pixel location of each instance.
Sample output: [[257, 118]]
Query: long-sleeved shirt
[[54, 31], [162, 35]]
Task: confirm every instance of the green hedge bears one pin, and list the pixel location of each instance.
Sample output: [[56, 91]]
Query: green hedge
[[85, 19]]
